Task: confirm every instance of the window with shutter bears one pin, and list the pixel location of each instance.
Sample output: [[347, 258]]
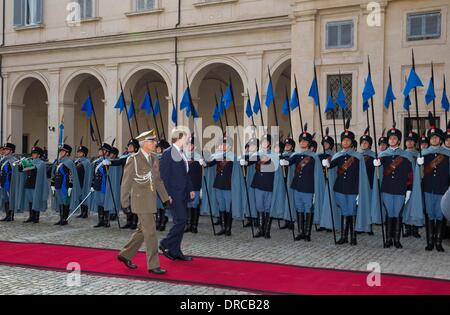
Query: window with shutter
[[422, 26], [339, 34]]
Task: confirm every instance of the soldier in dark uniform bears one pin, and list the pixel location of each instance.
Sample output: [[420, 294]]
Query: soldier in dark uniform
[[196, 175], [98, 186], [289, 150], [397, 176], [424, 142], [62, 183], [447, 137], [435, 183], [314, 146], [6, 171], [328, 144], [411, 142], [366, 143], [83, 166], [383, 142]]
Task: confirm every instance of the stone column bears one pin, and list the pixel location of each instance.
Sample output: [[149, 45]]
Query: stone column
[[15, 129], [54, 114], [113, 122]]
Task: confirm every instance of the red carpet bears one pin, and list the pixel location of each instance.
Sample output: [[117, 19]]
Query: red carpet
[[255, 277]]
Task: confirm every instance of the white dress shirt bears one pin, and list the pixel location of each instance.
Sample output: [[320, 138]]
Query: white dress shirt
[[183, 156]]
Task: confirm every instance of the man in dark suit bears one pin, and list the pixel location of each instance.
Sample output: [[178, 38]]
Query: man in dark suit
[[174, 173]]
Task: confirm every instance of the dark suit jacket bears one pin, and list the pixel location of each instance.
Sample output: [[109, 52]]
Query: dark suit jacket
[[173, 173]]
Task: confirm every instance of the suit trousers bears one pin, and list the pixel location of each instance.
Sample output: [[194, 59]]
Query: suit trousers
[[173, 240], [146, 233]]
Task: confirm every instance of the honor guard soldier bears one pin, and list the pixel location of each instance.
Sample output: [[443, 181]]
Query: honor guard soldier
[[314, 146], [411, 143], [397, 175], [366, 143], [447, 137], [306, 184], [84, 170], [114, 173], [252, 147], [195, 173], [65, 185], [289, 150], [435, 183], [98, 186], [328, 144], [351, 188], [383, 142], [35, 186], [161, 218], [6, 172]]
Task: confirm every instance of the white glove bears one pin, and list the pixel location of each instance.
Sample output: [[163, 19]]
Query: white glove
[[326, 163], [69, 192], [420, 161], [377, 163], [243, 162], [92, 189], [53, 190], [106, 163], [284, 163], [202, 162], [408, 196], [357, 200]]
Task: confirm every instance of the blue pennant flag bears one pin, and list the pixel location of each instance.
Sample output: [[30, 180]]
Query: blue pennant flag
[[366, 106], [413, 82], [88, 107], [147, 104], [407, 103], [369, 90], [270, 98], [430, 96], [174, 114], [131, 110], [120, 105], [257, 104], [294, 100], [445, 103], [341, 98], [156, 107], [192, 111], [286, 107], [216, 114], [314, 93], [330, 105], [390, 97], [249, 110], [227, 98], [61, 134], [186, 101]]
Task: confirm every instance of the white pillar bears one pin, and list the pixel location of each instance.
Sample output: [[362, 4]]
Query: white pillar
[[54, 115], [113, 123], [15, 129], [68, 111]]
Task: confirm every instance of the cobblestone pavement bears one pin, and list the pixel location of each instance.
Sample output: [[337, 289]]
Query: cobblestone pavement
[[321, 252]]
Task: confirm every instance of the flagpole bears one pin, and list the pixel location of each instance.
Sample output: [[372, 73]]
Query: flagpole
[[274, 103], [107, 175], [175, 106], [242, 152], [290, 117], [203, 154], [135, 113], [220, 116], [224, 109], [377, 156], [160, 115], [125, 103], [392, 101], [153, 112], [446, 111], [299, 107], [334, 123], [259, 99], [253, 119], [341, 86], [434, 99], [420, 148], [323, 146]]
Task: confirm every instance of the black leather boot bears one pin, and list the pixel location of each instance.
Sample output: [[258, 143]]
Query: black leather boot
[[187, 228], [61, 216], [408, 231], [128, 224], [66, 212], [223, 216], [308, 226], [112, 216], [37, 215], [134, 222], [229, 223], [196, 218], [440, 226], [268, 226], [260, 225], [430, 235], [353, 235], [31, 218], [164, 220], [398, 233], [415, 232], [345, 227], [107, 220], [301, 226], [9, 214], [218, 221], [389, 233], [101, 218]]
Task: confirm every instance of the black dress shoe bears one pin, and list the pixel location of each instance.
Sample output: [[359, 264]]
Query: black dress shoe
[[127, 263], [158, 271], [184, 258], [167, 253]]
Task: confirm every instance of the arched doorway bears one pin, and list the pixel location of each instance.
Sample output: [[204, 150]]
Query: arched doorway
[[139, 84], [29, 115], [78, 126]]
